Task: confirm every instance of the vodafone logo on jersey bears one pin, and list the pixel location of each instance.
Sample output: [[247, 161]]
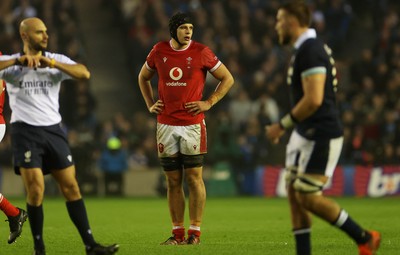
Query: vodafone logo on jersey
[[176, 74]]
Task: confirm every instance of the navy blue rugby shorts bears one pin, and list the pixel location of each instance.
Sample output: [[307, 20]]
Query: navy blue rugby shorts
[[44, 147]]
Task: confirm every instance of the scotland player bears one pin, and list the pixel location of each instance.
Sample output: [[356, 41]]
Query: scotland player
[[39, 144], [315, 145]]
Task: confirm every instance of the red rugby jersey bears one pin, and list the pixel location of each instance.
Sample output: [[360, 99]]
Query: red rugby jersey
[[181, 78]]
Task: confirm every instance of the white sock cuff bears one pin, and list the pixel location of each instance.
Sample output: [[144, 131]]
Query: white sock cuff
[[177, 227], [342, 218], [302, 231], [193, 227]]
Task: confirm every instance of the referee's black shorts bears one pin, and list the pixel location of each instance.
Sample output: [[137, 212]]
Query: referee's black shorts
[[44, 147]]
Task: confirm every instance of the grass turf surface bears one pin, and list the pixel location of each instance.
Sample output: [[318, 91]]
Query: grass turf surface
[[231, 226]]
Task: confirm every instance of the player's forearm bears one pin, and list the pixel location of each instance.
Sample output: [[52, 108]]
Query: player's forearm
[[147, 92], [304, 109], [7, 63], [222, 89], [76, 71]]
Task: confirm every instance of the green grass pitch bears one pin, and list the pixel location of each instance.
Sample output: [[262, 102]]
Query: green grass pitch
[[230, 226]]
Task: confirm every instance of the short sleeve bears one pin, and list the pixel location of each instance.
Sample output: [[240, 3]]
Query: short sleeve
[[150, 63], [209, 60], [311, 57]]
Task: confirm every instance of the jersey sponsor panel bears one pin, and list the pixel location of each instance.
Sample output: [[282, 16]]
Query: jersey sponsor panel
[[182, 75]]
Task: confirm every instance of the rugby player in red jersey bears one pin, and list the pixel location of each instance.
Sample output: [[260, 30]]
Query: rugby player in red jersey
[[182, 65]]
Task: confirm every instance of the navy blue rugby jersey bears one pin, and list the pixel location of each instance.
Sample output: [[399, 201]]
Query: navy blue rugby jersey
[[312, 57]]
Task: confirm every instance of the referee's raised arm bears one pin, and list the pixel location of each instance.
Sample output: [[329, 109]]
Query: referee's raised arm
[[76, 71]]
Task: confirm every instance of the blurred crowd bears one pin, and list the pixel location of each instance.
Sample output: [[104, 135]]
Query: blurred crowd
[[365, 39], [364, 36]]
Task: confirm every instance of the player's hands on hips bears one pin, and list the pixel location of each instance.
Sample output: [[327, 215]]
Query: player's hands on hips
[[274, 132], [157, 107], [197, 107]]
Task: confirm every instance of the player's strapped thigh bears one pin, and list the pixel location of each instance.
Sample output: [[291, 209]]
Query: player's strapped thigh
[[312, 158], [308, 184], [290, 174], [192, 161], [171, 163]]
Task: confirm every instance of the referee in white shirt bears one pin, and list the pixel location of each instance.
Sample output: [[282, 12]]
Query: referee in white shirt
[[39, 143]]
